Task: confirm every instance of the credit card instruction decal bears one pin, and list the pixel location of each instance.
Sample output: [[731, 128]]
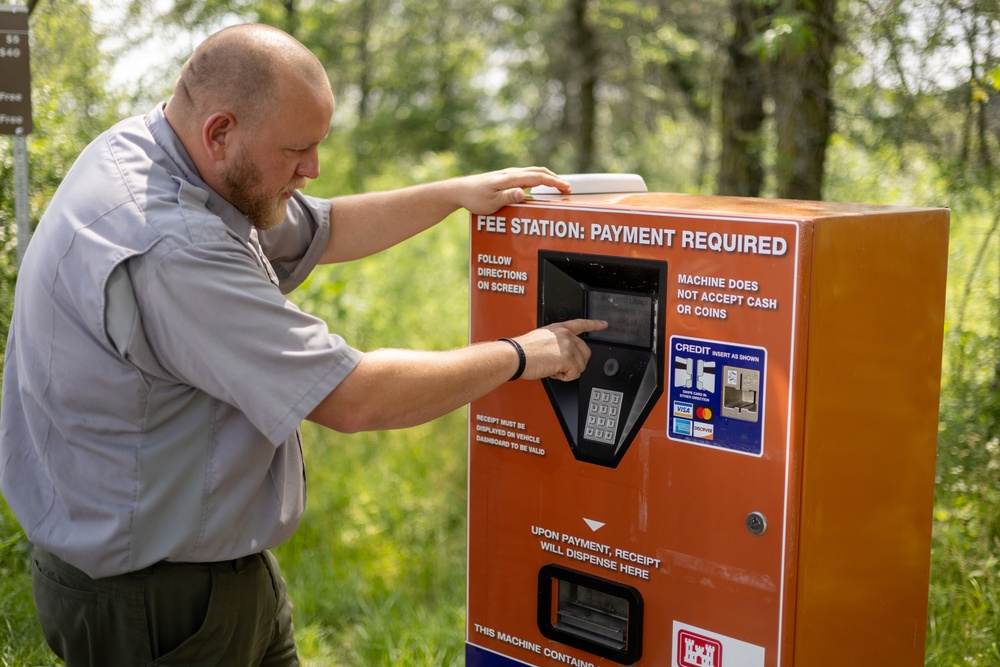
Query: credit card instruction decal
[[717, 394]]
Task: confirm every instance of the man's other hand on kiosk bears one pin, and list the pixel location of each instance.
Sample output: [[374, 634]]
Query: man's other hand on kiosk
[[557, 351], [483, 194]]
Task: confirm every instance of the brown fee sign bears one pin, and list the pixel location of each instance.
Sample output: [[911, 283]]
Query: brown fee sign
[[15, 74]]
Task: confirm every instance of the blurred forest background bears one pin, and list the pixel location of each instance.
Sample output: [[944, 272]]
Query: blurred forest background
[[880, 101]]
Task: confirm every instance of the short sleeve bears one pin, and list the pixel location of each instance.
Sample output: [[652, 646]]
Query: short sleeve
[[216, 322]]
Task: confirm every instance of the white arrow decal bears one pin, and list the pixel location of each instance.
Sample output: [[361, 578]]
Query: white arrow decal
[[594, 525]]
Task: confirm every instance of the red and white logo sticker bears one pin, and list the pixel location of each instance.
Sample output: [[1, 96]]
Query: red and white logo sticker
[[698, 647], [694, 650]]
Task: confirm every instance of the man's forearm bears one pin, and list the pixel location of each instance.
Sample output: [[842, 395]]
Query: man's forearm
[[364, 224], [361, 225], [402, 388]]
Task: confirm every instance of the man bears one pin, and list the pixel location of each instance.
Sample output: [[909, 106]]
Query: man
[[156, 376]]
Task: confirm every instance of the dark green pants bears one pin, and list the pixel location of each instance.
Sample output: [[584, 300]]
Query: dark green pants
[[195, 614]]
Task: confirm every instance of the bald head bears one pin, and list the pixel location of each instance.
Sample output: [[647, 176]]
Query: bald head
[[251, 107], [244, 70]]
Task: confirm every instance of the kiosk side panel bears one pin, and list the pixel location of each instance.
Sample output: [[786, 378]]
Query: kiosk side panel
[[872, 389]]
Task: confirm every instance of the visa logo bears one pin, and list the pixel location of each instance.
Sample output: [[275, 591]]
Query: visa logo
[[683, 409]]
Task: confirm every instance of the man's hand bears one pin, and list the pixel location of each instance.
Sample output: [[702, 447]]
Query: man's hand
[[557, 351], [483, 194]]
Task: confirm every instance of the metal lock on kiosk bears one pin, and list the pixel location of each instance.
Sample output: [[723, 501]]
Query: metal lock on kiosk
[[737, 479]]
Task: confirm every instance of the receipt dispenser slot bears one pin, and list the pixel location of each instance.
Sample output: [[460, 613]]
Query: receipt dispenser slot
[[596, 615], [603, 410]]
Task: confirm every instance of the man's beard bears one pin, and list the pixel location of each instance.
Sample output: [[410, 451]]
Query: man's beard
[[263, 209]]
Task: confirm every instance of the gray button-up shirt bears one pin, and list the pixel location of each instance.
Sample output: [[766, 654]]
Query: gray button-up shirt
[[155, 375]]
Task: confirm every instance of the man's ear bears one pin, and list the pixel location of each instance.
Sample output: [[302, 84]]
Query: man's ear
[[215, 134]]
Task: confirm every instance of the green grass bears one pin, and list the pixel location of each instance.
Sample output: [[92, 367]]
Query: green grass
[[21, 641], [963, 625], [376, 570]]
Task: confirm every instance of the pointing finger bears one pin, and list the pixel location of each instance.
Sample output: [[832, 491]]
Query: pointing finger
[[581, 326]]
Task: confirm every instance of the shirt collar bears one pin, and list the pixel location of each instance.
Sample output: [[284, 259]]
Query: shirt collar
[[165, 137]]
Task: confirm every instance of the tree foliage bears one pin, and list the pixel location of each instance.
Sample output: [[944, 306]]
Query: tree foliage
[[579, 85], [925, 90]]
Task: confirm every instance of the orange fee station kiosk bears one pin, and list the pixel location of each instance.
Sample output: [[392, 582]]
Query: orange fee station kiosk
[[744, 474]]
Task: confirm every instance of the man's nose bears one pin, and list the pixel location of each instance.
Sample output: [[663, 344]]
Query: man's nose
[[309, 165]]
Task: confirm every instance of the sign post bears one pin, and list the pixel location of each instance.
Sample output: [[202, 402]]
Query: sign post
[[15, 107]]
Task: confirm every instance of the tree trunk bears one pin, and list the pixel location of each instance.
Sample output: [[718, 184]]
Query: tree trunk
[[291, 18], [366, 20], [803, 102], [744, 85], [583, 77]]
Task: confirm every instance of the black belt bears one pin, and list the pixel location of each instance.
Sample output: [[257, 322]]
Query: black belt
[[239, 565]]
